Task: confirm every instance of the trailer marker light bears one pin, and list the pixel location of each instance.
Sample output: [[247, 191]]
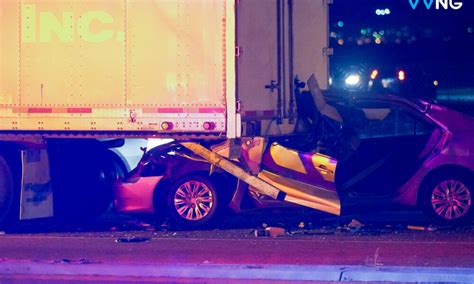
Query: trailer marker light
[[166, 125], [209, 125]]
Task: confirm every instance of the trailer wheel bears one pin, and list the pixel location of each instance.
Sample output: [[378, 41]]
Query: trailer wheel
[[7, 193], [83, 176], [193, 202]]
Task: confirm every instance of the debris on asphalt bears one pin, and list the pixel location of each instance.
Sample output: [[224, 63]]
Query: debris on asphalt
[[132, 225], [146, 226], [69, 261], [85, 261], [318, 231], [355, 224], [353, 227], [275, 231], [421, 228], [166, 234], [64, 260], [270, 232], [133, 239]]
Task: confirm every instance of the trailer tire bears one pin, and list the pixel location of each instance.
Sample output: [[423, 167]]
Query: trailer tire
[[8, 200], [83, 177]]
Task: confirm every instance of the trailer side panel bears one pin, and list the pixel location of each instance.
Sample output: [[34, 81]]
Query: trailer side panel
[[115, 65]]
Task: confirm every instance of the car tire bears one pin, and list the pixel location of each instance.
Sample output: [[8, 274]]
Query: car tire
[[447, 198], [193, 202], [118, 167]]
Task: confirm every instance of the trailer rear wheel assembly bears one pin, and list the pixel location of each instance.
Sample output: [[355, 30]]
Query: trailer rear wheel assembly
[[83, 177]]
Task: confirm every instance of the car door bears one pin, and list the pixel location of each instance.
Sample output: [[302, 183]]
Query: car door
[[393, 144], [306, 177]]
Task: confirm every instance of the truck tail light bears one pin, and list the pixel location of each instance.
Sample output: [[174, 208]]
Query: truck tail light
[[209, 125], [166, 125]]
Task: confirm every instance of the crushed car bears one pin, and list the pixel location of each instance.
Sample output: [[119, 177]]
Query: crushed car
[[348, 152]]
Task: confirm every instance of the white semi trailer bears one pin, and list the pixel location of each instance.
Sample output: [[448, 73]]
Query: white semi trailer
[[76, 77]]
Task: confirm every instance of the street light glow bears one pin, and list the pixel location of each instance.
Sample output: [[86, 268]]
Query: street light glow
[[383, 12], [352, 80]]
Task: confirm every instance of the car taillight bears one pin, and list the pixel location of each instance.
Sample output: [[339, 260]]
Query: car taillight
[[401, 75], [374, 74]]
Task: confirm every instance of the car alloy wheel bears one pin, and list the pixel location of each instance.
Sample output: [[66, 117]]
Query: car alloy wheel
[[451, 199], [193, 200]]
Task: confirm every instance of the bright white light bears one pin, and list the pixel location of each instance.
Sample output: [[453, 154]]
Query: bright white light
[[383, 12], [352, 80], [152, 143], [388, 83]]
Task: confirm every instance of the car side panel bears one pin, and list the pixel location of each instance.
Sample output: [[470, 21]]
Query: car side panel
[[449, 152]]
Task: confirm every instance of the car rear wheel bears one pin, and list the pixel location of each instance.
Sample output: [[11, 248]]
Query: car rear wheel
[[448, 198], [193, 201]]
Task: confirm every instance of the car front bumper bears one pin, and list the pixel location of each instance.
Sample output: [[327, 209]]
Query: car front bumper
[[135, 196]]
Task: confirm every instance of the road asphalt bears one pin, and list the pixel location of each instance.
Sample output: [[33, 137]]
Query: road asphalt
[[329, 252]]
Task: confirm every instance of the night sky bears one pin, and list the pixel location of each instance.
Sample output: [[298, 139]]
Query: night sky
[[438, 44]]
